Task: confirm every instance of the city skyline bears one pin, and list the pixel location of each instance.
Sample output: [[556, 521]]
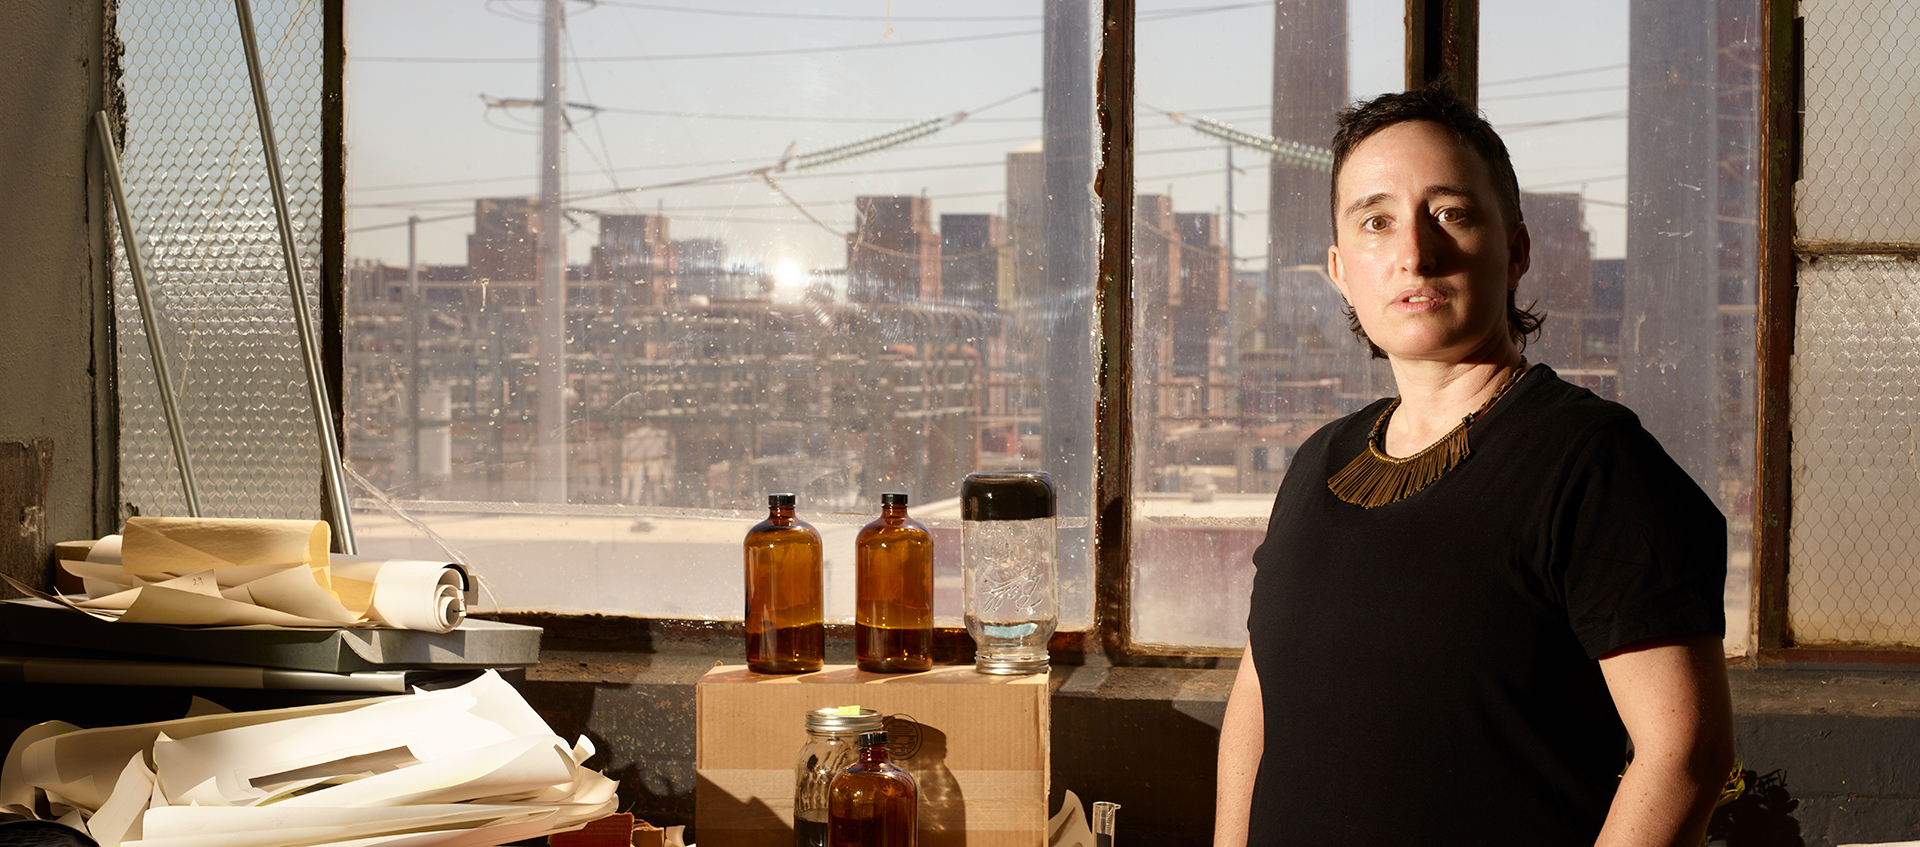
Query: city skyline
[[421, 143]]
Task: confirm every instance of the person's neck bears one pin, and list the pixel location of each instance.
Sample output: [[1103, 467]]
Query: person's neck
[[1434, 396]]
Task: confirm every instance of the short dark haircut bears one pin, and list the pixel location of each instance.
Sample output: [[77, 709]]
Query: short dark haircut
[[1436, 104]]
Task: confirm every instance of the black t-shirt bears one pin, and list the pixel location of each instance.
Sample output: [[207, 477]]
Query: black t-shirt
[[1428, 668]]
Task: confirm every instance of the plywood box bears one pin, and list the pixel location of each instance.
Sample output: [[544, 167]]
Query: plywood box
[[980, 759]]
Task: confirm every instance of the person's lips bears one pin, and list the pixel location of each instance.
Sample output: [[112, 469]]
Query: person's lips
[[1417, 300]]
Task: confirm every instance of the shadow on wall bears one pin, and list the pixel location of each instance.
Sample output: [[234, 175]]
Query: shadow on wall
[[1762, 816]]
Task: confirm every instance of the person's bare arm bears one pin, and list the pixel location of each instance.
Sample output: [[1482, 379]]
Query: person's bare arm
[[1242, 738], [1672, 696]]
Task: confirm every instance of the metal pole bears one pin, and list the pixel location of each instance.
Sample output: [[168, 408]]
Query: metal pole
[[336, 476], [1233, 282], [550, 454], [413, 318], [137, 269]]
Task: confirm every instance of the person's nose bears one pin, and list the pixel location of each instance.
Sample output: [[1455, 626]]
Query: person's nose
[[1419, 246]]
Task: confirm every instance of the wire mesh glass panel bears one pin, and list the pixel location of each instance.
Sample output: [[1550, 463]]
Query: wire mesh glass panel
[[1860, 155], [197, 186], [1856, 453]]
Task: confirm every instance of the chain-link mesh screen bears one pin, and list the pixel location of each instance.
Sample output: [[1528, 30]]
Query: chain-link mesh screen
[[1856, 453], [1860, 164], [197, 186]]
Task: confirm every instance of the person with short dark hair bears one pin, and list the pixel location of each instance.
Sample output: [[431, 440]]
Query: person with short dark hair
[[1473, 596]]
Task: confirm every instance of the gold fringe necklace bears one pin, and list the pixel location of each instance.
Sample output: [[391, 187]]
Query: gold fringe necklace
[[1374, 478]]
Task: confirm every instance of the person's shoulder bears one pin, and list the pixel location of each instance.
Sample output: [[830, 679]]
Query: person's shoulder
[[1550, 405]]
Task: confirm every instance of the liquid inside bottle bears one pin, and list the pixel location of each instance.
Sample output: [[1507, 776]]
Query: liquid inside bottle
[[873, 803], [893, 594], [784, 618]]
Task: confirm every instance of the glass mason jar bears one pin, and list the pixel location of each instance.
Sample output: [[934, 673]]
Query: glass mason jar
[[1009, 559], [832, 745]]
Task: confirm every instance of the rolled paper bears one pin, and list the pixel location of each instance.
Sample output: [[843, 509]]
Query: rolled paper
[[408, 593], [196, 544]]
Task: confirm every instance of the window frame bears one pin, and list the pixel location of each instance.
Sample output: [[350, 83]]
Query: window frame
[[1781, 106], [1442, 40]]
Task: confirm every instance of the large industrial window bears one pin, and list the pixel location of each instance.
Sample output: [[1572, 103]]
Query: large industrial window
[[804, 247], [839, 249]]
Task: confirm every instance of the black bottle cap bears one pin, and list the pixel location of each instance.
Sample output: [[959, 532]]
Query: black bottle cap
[[873, 739], [1006, 496], [893, 498], [780, 499]]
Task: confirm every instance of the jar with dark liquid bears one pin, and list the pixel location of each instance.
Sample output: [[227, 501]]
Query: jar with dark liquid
[[832, 745], [893, 591], [785, 627], [872, 803]]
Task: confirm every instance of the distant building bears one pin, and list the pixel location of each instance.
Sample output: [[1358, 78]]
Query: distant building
[[1200, 295], [970, 247], [702, 267], [505, 243], [1559, 286], [895, 253], [636, 257], [1026, 193]]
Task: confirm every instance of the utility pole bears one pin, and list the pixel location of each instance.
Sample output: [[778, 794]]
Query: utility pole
[[550, 457], [413, 318]]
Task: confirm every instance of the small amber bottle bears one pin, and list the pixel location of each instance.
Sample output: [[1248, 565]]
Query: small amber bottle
[[785, 628], [893, 591], [872, 803]]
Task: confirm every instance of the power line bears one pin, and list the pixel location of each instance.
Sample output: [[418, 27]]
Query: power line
[[743, 54], [711, 163], [720, 116], [1554, 75], [1600, 89], [803, 16]]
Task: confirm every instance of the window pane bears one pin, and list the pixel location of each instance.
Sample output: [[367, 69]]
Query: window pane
[[1859, 162], [1635, 143], [809, 247], [197, 188], [1237, 359], [1856, 479]]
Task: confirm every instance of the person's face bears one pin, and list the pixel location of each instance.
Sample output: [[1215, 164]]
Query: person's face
[[1421, 249]]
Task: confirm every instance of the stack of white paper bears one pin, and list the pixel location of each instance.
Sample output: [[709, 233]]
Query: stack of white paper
[[239, 572], [463, 767]]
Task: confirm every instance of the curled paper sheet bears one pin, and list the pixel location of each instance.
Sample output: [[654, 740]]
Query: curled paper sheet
[[409, 594], [472, 765], [235, 572]]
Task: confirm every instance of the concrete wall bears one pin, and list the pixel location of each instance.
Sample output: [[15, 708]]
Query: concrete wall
[[54, 355]]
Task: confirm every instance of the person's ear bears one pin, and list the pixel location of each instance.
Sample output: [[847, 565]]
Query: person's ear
[[1336, 271], [1519, 255]]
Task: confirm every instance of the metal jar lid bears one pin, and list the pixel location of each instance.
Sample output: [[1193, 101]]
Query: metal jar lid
[[1007, 496], [831, 719]]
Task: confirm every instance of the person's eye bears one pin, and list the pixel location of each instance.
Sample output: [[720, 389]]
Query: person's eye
[[1451, 215], [1374, 223]]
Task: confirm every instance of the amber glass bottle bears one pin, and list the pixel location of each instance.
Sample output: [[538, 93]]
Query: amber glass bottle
[[893, 591], [785, 631], [872, 803]]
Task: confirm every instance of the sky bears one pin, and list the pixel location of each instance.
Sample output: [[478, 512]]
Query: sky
[[698, 90]]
